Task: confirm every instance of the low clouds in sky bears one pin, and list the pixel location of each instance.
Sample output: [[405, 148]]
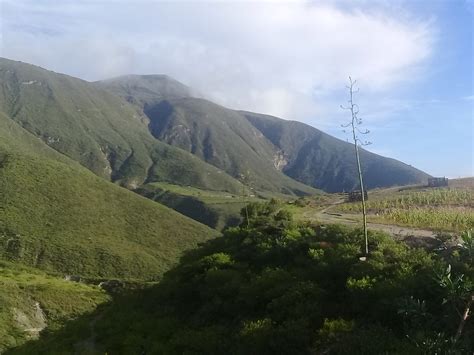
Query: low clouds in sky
[[280, 58]]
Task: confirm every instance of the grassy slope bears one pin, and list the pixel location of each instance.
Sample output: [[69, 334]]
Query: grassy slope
[[223, 137], [214, 208], [215, 134], [271, 291], [59, 216], [99, 130], [59, 301], [317, 159]]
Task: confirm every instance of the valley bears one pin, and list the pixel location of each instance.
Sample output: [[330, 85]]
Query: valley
[[245, 177], [139, 217]]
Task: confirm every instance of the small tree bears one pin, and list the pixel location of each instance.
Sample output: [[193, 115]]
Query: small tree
[[460, 295], [245, 180], [354, 124]]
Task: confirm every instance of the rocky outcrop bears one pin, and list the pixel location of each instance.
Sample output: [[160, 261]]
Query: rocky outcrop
[[31, 321], [280, 160]]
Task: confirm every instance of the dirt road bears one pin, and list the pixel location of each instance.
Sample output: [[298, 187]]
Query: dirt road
[[415, 236]]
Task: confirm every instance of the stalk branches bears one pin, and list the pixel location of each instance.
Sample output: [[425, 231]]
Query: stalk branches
[[354, 125]]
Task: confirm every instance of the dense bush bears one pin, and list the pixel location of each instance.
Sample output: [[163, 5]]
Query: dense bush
[[277, 287]]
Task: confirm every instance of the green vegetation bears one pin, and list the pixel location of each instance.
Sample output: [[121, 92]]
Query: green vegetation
[[320, 160], [208, 196], [421, 198], [99, 130], [244, 143], [217, 209], [62, 217], [438, 219], [444, 209], [31, 300], [272, 285], [217, 135], [58, 216], [278, 287]]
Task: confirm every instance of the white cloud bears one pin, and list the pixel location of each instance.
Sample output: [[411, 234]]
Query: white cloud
[[282, 58]]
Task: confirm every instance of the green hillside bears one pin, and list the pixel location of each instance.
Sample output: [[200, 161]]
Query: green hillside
[[58, 216], [97, 129], [214, 208], [222, 138], [260, 146], [31, 301], [318, 159], [278, 287], [128, 130], [214, 133]]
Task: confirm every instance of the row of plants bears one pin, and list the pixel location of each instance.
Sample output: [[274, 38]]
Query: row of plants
[[441, 219], [432, 197]]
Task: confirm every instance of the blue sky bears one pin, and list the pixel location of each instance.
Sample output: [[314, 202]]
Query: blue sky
[[435, 130], [413, 60]]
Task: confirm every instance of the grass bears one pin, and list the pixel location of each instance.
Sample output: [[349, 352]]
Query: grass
[[59, 302], [216, 209], [444, 209], [422, 198], [64, 218], [209, 146], [441, 219], [281, 288], [58, 216], [327, 163], [97, 129], [205, 195], [217, 135]]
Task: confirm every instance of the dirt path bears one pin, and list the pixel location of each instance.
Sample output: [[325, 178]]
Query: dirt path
[[399, 232]]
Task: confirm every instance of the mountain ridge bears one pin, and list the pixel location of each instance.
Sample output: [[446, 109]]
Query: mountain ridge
[[301, 152], [138, 129], [98, 129], [58, 216], [300, 143]]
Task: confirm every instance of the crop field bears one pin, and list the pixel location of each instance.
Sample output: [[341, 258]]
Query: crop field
[[423, 198], [448, 209], [439, 219]]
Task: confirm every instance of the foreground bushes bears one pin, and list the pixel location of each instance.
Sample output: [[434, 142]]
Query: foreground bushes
[[275, 287]]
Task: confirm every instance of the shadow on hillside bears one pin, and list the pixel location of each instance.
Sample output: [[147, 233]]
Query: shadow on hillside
[[129, 315], [84, 335], [194, 208]]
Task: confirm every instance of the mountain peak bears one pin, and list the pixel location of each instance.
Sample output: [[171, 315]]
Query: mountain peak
[[147, 88]]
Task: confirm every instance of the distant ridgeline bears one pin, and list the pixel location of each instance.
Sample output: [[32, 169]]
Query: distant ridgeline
[[245, 143], [65, 145], [127, 130], [86, 170]]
